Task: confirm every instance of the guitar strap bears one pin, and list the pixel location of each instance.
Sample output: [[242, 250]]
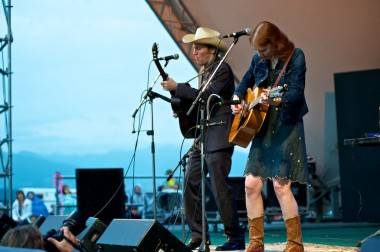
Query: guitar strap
[[283, 70], [200, 73]]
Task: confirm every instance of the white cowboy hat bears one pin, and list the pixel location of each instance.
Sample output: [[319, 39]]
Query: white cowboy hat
[[206, 36]]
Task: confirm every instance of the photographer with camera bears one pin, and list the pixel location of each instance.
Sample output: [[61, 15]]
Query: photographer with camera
[[63, 239], [67, 244], [28, 236]]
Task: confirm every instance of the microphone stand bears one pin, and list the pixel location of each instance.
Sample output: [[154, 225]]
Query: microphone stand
[[153, 151], [151, 95], [143, 100], [203, 125], [183, 163]]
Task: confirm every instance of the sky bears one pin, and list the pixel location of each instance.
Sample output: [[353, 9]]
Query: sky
[[79, 70]]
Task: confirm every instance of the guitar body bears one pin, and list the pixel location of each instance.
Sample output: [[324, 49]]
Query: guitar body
[[186, 123], [248, 122]]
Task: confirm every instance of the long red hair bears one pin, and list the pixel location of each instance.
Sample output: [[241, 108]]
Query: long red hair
[[266, 33]]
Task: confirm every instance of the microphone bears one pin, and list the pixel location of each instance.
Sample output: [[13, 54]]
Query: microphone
[[211, 124], [169, 57], [229, 102], [246, 31]]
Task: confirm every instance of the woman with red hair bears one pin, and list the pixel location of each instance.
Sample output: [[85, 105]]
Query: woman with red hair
[[278, 151]]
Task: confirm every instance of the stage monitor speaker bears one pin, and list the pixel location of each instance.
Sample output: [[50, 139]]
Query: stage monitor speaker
[[124, 235], [371, 243], [299, 191], [90, 235], [238, 187], [52, 222], [357, 110], [100, 193]]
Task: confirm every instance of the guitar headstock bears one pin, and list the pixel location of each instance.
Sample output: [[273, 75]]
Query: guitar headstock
[[157, 62], [155, 50]]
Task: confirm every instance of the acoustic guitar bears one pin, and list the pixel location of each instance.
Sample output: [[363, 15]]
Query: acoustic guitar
[[249, 121], [179, 106]]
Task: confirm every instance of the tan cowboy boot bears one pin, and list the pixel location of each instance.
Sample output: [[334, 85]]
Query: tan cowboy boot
[[294, 234], [256, 234]]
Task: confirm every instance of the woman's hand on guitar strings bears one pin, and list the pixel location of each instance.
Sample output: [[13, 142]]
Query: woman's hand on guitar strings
[[237, 107], [264, 97]]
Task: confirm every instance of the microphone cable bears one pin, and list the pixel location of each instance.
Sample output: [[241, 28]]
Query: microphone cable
[[132, 161]]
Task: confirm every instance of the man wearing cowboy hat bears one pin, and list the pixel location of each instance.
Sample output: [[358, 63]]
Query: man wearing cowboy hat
[[218, 152]]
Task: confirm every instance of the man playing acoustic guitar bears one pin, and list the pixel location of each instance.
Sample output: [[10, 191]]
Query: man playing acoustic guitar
[[218, 152], [278, 151]]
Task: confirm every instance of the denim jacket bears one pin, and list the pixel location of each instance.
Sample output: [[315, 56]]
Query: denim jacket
[[293, 104]]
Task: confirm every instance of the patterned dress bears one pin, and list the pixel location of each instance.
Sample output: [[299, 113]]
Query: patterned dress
[[278, 150]]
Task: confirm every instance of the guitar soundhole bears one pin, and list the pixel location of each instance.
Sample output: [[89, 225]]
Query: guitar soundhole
[[241, 123]]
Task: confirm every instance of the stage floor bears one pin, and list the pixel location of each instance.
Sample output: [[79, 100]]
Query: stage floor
[[318, 237], [309, 247]]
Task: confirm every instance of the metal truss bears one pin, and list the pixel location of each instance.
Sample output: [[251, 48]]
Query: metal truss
[[177, 21], [6, 171]]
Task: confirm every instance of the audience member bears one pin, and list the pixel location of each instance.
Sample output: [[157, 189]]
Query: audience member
[[25, 236], [138, 203], [68, 201], [28, 236], [21, 208], [38, 206], [172, 183]]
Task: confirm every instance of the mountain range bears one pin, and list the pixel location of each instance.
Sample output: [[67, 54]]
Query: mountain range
[[37, 170]]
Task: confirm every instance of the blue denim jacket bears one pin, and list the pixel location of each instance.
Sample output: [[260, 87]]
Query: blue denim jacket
[[293, 105]]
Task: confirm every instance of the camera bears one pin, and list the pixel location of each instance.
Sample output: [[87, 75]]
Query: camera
[[74, 222]]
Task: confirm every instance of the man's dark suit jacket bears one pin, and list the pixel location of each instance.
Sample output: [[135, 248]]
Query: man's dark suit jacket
[[222, 85]]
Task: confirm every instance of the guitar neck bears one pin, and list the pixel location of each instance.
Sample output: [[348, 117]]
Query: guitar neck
[[163, 74], [273, 94], [157, 62]]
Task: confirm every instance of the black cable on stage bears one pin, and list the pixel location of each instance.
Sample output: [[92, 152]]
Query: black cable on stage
[[179, 200]]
